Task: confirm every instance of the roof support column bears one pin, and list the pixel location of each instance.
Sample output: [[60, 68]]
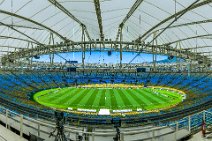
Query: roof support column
[[51, 55], [179, 65], [99, 18], [29, 58], [154, 51], [121, 39], [83, 46], [189, 68]]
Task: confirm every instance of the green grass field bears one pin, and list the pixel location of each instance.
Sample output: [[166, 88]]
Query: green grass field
[[108, 98]]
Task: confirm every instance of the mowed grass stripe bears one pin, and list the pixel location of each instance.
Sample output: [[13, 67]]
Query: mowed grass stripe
[[120, 102], [124, 98], [47, 94], [69, 101], [148, 96], [131, 100], [156, 97], [102, 100], [97, 98], [114, 103], [140, 101], [161, 95], [53, 95], [128, 103], [168, 93], [76, 102], [164, 98], [63, 96], [173, 98], [138, 94], [88, 100], [69, 97], [161, 104], [108, 98]]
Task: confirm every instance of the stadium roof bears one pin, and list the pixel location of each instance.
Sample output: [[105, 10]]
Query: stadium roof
[[27, 23]]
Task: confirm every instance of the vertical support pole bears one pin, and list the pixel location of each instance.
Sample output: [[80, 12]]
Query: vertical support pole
[[153, 135], [154, 55], [7, 118], [21, 125], [92, 136], [204, 117], [28, 57], [38, 129], [100, 46], [177, 63], [52, 62], [204, 62], [189, 123], [153, 58], [90, 49], [83, 46], [189, 68], [30, 61], [95, 45], [137, 46], [51, 56], [121, 38], [122, 136], [203, 125], [176, 130], [180, 56], [31, 54]]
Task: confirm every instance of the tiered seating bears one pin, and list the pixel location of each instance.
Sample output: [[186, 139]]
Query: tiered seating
[[17, 87]]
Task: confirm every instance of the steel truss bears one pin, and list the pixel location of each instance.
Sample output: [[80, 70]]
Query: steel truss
[[138, 45], [17, 38], [129, 14], [83, 46], [99, 18], [69, 14], [34, 22], [205, 2]]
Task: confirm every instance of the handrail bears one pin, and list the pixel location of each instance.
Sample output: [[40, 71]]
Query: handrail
[[3, 138], [69, 129]]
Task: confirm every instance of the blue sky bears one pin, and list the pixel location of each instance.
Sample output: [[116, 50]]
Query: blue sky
[[101, 57]]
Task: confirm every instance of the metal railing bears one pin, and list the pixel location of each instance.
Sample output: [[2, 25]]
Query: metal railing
[[42, 128]]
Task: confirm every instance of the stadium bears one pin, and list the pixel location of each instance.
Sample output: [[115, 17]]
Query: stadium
[[105, 70]]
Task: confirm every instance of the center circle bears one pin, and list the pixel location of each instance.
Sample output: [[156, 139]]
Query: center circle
[[110, 98]]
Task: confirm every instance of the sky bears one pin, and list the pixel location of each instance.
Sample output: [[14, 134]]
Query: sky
[[101, 57]]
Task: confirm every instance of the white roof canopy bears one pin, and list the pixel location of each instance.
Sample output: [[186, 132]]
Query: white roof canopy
[[27, 23]]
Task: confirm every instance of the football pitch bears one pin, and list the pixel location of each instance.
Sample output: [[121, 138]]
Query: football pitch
[[108, 98]]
